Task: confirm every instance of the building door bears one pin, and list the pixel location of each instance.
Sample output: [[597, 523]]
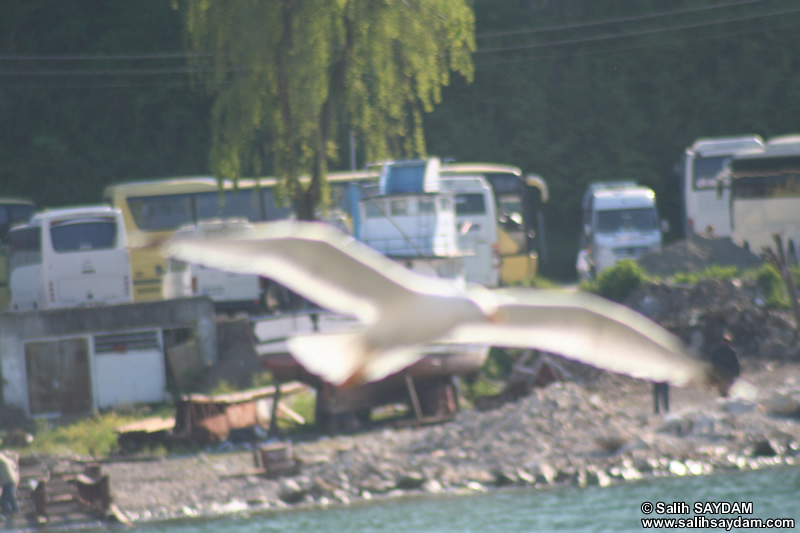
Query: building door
[[58, 376]]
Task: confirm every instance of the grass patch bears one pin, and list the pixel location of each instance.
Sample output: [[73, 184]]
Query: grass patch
[[710, 272], [94, 436], [304, 404]]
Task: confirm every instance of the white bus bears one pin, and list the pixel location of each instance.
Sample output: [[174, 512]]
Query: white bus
[[704, 162], [228, 291], [477, 228], [765, 196], [69, 257]]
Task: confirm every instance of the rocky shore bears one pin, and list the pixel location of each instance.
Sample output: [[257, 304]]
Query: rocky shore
[[596, 433]]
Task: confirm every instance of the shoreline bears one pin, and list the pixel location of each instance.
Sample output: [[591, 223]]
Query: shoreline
[[566, 434]]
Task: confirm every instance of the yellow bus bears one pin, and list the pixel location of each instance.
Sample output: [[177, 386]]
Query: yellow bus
[[154, 209]]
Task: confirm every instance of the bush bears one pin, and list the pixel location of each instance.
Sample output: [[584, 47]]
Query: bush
[[770, 283], [620, 281]]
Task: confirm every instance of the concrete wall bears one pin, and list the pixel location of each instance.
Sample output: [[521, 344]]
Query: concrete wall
[[16, 329]]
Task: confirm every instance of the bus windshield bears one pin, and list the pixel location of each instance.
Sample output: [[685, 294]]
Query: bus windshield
[[706, 170], [470, 204], [84, 235], [616, 220]]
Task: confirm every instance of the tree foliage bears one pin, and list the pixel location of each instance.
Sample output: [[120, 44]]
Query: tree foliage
[[286, 73], [618, 90], [79, 113]]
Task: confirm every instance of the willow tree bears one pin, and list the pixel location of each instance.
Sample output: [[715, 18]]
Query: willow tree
[[285, 74]]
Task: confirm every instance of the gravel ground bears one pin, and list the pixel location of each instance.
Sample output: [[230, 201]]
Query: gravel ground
[[600, 433]]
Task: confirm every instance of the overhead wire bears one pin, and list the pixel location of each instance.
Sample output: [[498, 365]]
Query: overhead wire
[[637, 33], [625, 48], [617, 20], [55, 73]]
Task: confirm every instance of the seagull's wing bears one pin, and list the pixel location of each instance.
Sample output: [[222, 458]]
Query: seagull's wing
[[588, 329], [313, 259]]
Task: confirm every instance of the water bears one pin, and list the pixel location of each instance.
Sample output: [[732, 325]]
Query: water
[[774, 494]]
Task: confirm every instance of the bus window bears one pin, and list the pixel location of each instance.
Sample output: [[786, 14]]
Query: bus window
[[399, 207], [25, 248], [470, 204], [83, 235], [707, 169], [159, 213], [241, 203]]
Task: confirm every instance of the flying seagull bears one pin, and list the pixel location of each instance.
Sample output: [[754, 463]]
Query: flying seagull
[[401, 311]]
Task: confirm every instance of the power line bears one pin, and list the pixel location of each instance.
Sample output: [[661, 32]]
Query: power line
[[176, 83], [116, 72], [163, 55], [635, 47], [634, 33], [614, 20], [550, 44]]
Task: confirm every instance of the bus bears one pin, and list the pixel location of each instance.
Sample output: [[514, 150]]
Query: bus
[[705, 211], [12, 211], [765, 196], [69, 257], [154, 209]]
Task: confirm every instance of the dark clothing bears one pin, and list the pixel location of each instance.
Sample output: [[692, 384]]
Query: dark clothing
[[660, 397], [8, 500], [725, 367]]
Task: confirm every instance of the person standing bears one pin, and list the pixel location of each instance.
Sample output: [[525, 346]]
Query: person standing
[[660, 397], [725, 367], [9, 479]]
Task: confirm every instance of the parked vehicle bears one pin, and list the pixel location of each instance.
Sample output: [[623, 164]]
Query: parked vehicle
[[620, 221], [477, 228], [155, 209], [765, 196], [69, 257], [706, 211]]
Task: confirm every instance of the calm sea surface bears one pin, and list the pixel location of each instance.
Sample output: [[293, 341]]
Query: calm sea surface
[[774, 493]]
